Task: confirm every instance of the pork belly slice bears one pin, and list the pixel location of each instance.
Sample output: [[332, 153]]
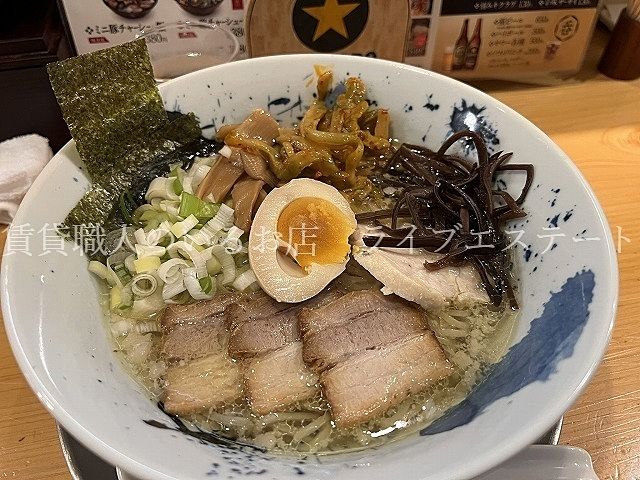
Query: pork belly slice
[[258, 324], [277, 379], [196, 386], [374, 329], [198, 311], [187, 341], [343, 309], [367, 385], [402, 272], [264, 334], [196, 330], [255, 306]]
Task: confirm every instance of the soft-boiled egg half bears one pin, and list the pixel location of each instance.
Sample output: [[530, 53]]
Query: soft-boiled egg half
[[299, 239]]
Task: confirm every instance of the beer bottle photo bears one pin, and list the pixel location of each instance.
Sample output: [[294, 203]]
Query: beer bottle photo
[[460, 50], [474, 47]]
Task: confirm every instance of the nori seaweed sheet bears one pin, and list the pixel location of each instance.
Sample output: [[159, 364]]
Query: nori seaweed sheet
[[116, 116], [95, 207], [110, 102], [160, 166]]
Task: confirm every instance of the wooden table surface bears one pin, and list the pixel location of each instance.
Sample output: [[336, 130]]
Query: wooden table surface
[[597, 122]]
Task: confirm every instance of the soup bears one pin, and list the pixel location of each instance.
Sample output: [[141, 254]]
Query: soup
[[317, 288]]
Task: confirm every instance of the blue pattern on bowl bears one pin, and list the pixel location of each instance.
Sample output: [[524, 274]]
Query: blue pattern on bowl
[[564, 315], [551, 338], [422, 105]]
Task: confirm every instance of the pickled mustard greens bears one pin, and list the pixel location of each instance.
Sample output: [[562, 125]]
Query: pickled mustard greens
[[340, 144]]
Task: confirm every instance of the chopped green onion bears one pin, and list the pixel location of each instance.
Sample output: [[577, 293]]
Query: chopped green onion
[[129, 262], [169, 271], [244, 280], [199, 175], [144, 285], [213, 266], [227, 263], [122, 272], [99, 269], [195, 289], [153, 223], [180, 229], [206, 284], [162, 188], [148, 215], [177, 186], [149, 251], [225, 151], [192, 205], [232, 243], [170, 290], [182, 249], [115, 297], [147, 264], [121, 298], [140, 236], [176, 170]]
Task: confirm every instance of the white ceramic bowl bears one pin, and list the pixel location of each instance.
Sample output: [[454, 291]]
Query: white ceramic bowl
[[569, 291]]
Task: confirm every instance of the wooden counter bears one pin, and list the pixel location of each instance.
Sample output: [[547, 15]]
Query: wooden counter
[[597, 122]]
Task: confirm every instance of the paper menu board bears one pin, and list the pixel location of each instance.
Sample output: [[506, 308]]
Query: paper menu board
[[95, 26], [461, 38], [500, 39]]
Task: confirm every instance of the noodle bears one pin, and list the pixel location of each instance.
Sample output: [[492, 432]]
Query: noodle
[[343, 145]]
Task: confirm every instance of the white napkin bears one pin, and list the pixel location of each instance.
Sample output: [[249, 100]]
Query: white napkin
[[21, 160]]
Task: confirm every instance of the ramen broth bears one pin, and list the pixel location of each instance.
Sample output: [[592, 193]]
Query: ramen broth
[[387, 326], [473, 338]]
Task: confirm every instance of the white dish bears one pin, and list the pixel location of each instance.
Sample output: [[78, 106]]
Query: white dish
[[537, 462]]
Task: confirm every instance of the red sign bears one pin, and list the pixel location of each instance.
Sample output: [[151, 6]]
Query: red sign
[[98, 40], [187, 35], [237, 4]]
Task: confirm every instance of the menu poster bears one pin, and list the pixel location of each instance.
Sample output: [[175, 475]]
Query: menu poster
[[98, 24], [461, 38], [501, 39]]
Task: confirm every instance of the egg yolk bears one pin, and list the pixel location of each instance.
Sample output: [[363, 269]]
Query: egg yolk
[[316, 229]]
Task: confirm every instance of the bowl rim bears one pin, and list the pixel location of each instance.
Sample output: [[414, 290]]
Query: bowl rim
[[470, 468]]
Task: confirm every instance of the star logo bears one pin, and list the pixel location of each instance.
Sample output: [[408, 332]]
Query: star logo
[[329, 25], [330, 16]]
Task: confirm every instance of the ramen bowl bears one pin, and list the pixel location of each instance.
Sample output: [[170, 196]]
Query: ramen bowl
[[565, 267]]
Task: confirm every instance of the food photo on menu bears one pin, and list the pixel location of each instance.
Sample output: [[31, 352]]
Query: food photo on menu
[[320, 238]]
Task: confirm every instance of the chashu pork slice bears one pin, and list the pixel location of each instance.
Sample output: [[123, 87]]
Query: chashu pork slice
[[188, 341], [367, 385], [196, 330], [262, 335], [342, 309], [196, 386], [258, 324], [402, 272], [356, 322], [200, 374], [277, 379], [198, 311]]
